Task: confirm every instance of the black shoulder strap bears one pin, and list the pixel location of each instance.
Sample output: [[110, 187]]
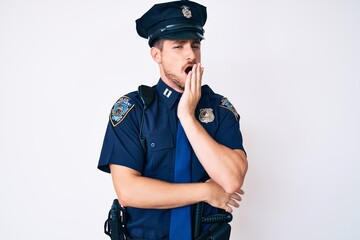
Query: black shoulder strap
[[146, 94]]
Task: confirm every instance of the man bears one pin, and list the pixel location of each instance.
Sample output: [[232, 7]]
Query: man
[[146, 179]]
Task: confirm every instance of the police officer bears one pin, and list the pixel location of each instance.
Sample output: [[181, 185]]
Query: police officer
[[146, 177]]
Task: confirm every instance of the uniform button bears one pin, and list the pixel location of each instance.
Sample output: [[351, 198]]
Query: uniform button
[[152, 144]]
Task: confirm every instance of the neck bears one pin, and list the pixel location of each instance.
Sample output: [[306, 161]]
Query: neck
[[170, 83]]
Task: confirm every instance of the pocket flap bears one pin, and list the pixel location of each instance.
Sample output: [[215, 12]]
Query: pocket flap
[[159, 142]]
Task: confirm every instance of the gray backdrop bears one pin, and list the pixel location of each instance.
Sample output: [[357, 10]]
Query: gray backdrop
[[291, 68]]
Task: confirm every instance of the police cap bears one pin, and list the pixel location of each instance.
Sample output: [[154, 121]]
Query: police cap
[[178, 20]]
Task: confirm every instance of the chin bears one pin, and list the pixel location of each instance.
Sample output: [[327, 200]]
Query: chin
[[180, 85]]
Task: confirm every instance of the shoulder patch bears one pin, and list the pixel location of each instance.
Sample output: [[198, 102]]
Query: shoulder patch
[[226, 104], [120, 110]]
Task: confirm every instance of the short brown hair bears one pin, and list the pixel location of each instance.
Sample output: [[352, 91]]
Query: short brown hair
[[158, 43]]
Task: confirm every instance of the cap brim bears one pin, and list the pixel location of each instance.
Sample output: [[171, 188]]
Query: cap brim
[[181, 35]]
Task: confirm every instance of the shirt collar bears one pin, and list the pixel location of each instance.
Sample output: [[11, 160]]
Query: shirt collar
[[169, 95]]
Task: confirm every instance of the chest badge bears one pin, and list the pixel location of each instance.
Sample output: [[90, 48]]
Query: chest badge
[[206, 115]]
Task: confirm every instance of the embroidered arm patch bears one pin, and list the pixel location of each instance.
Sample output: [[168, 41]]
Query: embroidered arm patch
[[226, 104], [120, 110]]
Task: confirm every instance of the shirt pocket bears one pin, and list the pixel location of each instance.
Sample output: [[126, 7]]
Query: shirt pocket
[[161, 152], [161, 142]]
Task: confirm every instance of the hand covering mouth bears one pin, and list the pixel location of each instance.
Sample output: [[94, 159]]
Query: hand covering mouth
[[188, 69]]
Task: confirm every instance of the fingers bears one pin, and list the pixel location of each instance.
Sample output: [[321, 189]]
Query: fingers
[[236, 196], [188, 80], [228, 209], [234, 200], [192, 92], [198, 77], [221, 199], [230, 202], [240, 191], [194, 78]]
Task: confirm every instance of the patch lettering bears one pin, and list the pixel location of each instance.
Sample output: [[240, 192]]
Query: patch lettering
[[120, 110]]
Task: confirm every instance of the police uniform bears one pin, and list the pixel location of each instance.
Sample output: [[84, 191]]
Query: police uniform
[[158, 123]]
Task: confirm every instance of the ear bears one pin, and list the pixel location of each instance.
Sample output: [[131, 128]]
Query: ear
[[156, 54]]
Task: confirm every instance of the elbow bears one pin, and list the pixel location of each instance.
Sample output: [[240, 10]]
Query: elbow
[[123, 194], [233, 186], [124, 199], [235, 183], [123, 181]]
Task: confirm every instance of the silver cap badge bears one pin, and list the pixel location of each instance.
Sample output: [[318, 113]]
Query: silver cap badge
[[206, 115], [186, 11]]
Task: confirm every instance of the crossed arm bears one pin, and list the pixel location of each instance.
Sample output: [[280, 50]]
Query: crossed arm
[[135, 190], [226, 167]]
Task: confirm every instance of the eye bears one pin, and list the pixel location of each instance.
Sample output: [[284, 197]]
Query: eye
[[196, 46], [178, 46]]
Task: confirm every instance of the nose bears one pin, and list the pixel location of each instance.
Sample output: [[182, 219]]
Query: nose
[[190, 54]]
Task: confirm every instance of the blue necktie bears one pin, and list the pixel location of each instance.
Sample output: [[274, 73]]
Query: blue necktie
[[180, 222]]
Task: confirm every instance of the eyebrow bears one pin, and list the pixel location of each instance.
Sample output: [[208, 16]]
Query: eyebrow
[[192, 41], [197, 41]]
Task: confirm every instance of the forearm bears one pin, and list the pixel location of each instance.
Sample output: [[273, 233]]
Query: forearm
[[225, 166], [142, 192]]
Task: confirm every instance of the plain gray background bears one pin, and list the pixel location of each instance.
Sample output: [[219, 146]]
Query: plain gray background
[[291, 68]]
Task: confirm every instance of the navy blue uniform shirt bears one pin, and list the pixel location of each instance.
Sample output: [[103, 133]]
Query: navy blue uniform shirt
[[122, 145]]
